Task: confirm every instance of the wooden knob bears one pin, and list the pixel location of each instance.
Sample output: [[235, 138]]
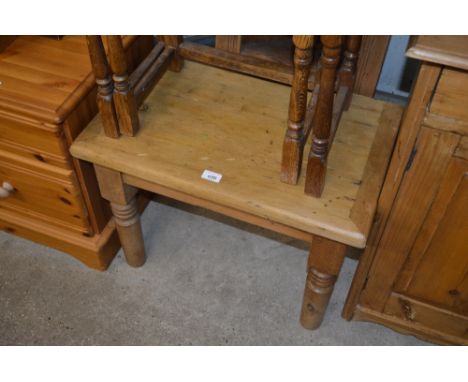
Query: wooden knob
[[6, 190]]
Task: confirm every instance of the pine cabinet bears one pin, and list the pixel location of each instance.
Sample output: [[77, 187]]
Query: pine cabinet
[[413, 276]]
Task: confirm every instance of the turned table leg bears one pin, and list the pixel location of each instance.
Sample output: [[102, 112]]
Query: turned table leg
[[127, 220], [125, 211], [324, 264]]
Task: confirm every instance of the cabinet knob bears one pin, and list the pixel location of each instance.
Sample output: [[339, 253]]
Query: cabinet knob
[[6, 190]]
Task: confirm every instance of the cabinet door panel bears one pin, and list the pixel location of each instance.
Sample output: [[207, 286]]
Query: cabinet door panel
[[441, 274], [451, 95], [434, 150]]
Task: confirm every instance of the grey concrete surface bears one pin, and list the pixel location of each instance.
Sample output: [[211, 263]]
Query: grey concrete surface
[[208, 280]]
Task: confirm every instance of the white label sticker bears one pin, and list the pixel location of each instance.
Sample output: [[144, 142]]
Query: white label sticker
[[212, 176]]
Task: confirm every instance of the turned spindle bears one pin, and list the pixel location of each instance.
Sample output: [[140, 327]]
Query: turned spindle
[[105, 86], [316, 166], [125, 102], [293, 144], [348, 66], [347, 72]]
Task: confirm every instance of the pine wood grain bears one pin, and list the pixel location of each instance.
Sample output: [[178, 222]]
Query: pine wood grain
[[445, 50], [252, 65], [5, 41], [323, 266], [125, 211], [434, 151], [404, 326], [370, 62], [96, 252], [410, 126], [47, 96], [43, 193], [462, 148], [419, 314], [236, 214], [271, 48], [442, 122], [440, 252], [413, 276], [207, 118], [229, 43], [376, 167], [451, 96], [46, 144], [41, 74]]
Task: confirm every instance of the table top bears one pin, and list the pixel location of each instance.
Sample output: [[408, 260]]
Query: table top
[[205, 118], [444, 50]]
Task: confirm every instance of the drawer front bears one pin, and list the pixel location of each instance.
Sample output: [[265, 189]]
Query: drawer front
[[34, 141], [43, 192]]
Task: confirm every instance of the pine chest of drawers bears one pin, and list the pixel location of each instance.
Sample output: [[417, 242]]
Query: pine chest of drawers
[[47, 96]]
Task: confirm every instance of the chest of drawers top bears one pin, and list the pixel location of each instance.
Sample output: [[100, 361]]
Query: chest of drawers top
[[44, 78]]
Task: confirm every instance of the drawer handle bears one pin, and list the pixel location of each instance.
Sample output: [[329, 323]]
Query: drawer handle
[[6, 190]]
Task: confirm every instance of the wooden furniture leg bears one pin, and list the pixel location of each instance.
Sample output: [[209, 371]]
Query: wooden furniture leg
[[323, 266], [347, 73], [128, 226], [350, 57], [293, 144], [124, 208], [370, 63], [174, 41], [124, 98], [317, 165], [105, 86]]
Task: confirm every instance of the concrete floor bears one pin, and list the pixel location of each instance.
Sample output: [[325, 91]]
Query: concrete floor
[[208, 280]]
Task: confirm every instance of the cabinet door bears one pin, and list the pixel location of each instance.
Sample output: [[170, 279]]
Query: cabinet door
[[432, 286], [420, 272]]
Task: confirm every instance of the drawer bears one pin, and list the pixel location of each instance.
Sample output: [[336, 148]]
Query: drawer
[[43, 192], [33, 140]]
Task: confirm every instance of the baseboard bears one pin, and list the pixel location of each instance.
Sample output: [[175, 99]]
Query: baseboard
[[96, 251], [405, 327]]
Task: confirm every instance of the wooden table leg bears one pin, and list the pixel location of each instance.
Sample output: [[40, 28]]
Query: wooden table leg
[[124, 208], [324, 264], [127, 220]]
